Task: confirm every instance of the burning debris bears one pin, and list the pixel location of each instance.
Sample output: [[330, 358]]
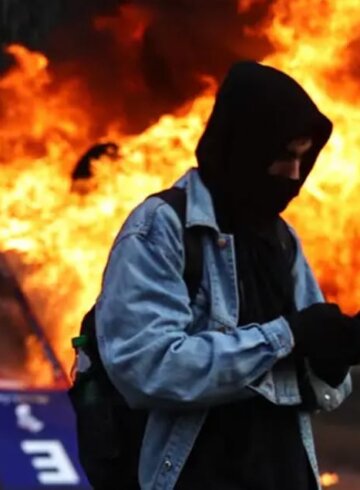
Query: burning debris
[[81, 181], [83, 167]]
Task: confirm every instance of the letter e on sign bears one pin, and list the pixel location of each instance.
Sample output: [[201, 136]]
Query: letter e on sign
[[52, 463]]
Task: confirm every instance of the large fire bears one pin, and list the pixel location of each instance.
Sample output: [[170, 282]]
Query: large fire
[[57, 236]]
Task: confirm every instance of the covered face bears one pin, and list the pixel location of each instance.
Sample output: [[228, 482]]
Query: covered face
[[262, 119]]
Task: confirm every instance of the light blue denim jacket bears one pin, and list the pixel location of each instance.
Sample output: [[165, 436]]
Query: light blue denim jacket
[[177, 359]]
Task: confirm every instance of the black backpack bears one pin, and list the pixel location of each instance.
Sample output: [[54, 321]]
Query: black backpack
[[109, 433]]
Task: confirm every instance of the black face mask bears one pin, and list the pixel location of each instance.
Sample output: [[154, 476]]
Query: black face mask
[[277, 192], [272, 196]]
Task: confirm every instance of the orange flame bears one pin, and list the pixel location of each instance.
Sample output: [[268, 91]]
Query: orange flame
[[62, 239], [329, 479], [58, 240], [315, 50]]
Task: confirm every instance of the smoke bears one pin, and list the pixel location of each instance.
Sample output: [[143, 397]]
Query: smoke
[[144, 58]]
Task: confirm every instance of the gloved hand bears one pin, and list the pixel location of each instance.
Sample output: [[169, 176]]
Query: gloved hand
[[322, 332]]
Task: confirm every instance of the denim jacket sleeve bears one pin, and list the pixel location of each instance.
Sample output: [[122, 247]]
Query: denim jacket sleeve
[[142, 315], [307, 292]]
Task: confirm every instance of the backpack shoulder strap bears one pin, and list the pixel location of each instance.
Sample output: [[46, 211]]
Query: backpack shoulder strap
[[176, 198], [287, 241]]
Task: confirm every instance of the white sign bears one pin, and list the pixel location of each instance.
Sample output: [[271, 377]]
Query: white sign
[[52, 464]]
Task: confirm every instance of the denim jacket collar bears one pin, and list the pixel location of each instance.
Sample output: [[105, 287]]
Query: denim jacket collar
[[199, 209]]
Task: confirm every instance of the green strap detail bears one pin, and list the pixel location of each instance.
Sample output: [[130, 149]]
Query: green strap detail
[[80, 341]]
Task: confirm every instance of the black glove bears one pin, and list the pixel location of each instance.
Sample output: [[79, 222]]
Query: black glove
[[322, 332]]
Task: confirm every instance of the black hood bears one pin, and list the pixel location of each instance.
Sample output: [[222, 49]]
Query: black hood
[[257, 112]]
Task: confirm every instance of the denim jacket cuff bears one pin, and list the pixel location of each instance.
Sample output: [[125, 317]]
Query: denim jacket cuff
[[280, 336]]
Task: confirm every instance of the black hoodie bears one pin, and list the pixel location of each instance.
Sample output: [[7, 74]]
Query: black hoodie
[[258, 110]]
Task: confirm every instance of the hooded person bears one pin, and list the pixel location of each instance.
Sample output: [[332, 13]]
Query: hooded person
[[230, 375], [258, 112], [259, 116]]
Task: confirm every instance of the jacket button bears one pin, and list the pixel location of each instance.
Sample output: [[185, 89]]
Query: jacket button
[[327, 397], [167, 464], [222, 242]]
